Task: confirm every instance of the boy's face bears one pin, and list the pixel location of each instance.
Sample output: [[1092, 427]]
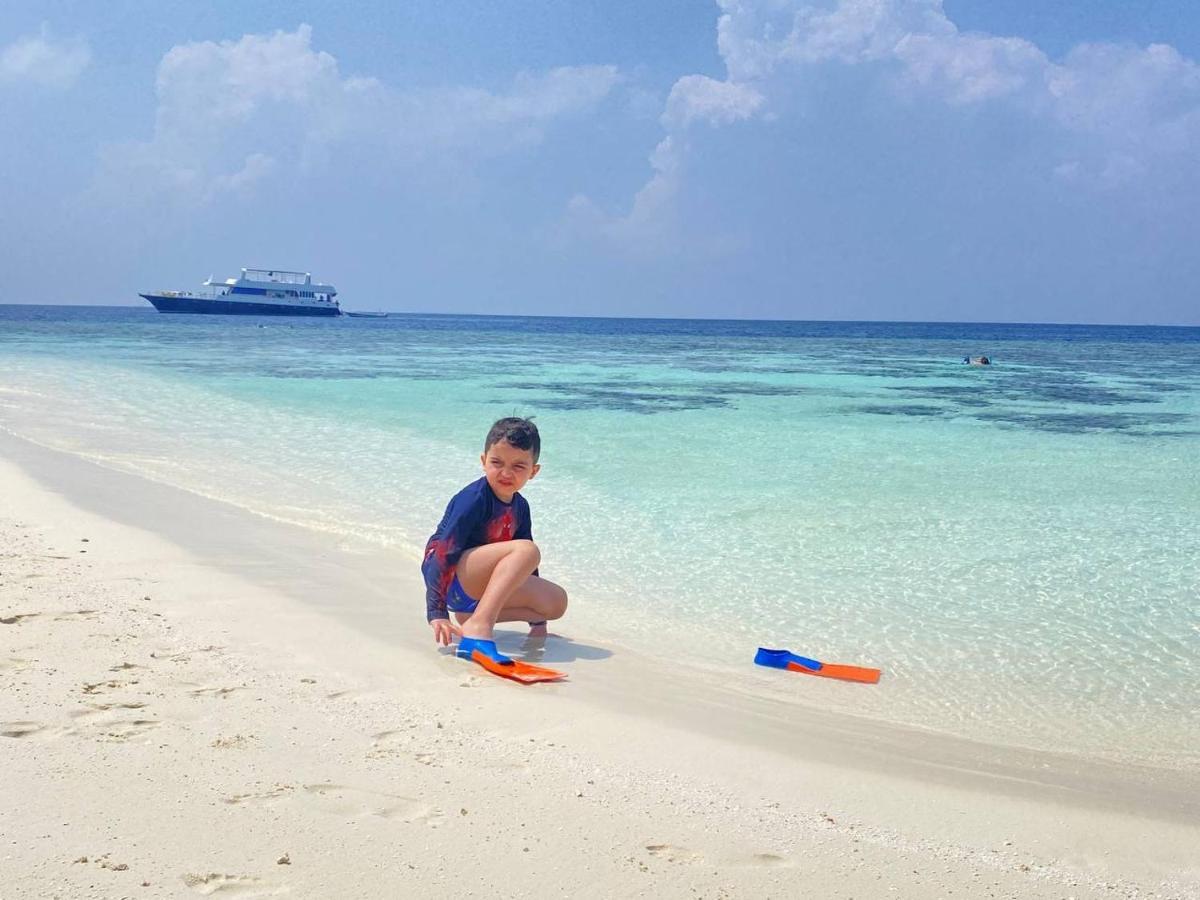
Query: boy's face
[[507, 468]]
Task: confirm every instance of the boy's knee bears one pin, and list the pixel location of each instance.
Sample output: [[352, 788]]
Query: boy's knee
[[527, 549], [558, 603]]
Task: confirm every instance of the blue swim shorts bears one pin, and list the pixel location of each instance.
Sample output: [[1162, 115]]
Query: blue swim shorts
[[458, 600]]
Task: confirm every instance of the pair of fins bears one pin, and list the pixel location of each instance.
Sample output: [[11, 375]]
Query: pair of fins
[[484, 653], [792, 662]]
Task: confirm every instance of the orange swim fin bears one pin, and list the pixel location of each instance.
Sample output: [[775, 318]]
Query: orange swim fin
[[484, 652], [843, 673], [793, 662], [516, 670]]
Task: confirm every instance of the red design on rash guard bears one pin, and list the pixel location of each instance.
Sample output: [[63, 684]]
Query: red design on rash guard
[[502, 527]]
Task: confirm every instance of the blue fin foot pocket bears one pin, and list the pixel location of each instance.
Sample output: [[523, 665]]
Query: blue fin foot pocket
[[467, 646]]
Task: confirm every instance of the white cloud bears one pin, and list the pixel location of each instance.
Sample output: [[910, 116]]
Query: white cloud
[[1121, 91], [1136, 102], [478, 121], [645, 230], [969, 68], [1115, 111], [1118, 110], [554, 93], [256, 167], [716, 102], [755, 38], [45, 60], [208, 84], [232, 113]]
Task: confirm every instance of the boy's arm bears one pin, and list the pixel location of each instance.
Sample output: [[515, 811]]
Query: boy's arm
[[435, 569], [441, 555]]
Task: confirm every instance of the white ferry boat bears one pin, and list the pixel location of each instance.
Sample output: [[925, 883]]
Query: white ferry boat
[[258, 292]]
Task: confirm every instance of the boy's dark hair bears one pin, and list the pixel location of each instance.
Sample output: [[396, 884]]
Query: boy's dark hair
[[521, 433]]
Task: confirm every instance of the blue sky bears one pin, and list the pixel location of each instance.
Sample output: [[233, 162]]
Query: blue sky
[[818, 159]]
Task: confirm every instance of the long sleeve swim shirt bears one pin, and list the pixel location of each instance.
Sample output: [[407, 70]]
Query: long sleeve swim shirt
[[475, 516]]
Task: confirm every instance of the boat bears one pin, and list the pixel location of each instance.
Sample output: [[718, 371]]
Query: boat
[[258, 292], [366, 314]]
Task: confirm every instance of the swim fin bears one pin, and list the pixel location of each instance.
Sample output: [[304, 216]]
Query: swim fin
[[792, 662], [484, 653]]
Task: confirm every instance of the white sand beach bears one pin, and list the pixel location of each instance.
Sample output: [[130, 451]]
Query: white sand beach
[[198, 701]]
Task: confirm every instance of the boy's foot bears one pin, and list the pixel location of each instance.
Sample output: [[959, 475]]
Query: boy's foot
[[469, 645], [485, 654], [538, 629], [475, 632]]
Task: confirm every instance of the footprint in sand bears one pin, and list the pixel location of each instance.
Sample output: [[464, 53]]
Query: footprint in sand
[[184, 655], [17, 618], [215, 691], [13, 664], [234, 742], [280, 790], [99, 687], [350, 694], [386, 744], [121, 730], [104, 722], [25, 729], [95, 709], [229, 885], [76, 614], [673, 854], [342, 800], [768, 859]]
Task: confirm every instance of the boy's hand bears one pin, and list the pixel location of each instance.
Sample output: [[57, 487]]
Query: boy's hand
[[444, 632]]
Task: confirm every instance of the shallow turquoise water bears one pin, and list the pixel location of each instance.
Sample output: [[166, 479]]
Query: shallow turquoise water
[[1016, 546]]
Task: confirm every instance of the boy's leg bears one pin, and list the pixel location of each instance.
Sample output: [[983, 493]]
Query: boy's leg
[[492, 573], [537, 600], [500, 575]]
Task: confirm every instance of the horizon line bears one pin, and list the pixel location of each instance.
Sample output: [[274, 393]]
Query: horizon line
[[679, 318]]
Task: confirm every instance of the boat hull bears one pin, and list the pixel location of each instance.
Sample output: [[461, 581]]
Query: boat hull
[[234, 307]]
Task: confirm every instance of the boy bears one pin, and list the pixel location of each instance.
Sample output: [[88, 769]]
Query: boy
[[481, 562]]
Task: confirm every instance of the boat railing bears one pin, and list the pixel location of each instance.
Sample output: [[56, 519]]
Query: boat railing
[[278, 275], [213, 291]]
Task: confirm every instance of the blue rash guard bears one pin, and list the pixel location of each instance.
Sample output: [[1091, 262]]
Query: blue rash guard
[[475, 516]]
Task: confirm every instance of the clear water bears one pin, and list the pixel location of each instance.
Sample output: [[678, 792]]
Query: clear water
[[1018, 547]]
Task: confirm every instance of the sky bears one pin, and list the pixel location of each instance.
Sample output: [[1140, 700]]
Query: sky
[[934, 160]]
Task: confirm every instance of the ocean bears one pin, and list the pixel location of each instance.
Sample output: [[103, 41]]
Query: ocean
[[1016, 546]]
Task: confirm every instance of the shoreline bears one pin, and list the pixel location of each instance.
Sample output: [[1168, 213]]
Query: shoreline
[[721, 655], [699, 766], [763, 697]]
